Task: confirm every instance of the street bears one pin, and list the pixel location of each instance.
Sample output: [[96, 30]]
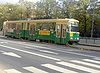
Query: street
[[35, 57]]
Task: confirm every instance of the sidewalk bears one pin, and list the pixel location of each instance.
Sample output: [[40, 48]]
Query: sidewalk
[[87, 46]]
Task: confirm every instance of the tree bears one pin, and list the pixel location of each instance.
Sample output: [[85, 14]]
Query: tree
[[78, 9], [83, 16]]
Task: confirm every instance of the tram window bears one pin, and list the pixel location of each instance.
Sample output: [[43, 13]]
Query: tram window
[[14, 26], [58, 31], [28, 26], [64, 32], [67, 29], [52, 27], [19, 27], [38, 26], [32, 27], [24, 26], [8, 26], [45, 26]]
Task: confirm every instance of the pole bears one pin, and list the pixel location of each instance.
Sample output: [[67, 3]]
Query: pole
[[92, 20]]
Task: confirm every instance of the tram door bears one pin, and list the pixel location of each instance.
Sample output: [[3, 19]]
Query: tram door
[[32, 31], [60, 33]]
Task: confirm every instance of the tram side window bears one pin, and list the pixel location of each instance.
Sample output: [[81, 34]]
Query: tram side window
[[24, 26], [67, 28], [28, 24], [58, 30], [7, 27], [10, 27], [19, 27], [48, 26], [52, 27], [32, 29], [13, 26], [39, 26], [64, 31], [45, 26]]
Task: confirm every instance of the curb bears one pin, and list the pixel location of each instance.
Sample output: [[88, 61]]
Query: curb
[[85, 47], [93, 45]]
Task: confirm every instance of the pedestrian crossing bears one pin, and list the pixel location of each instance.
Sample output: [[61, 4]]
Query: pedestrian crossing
[[34, 70], [3, 42], [92, 61], [72, 66], [12, 71], [63, 70]]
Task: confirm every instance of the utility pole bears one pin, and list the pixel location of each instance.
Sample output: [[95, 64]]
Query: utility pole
[[94, 4], [93, 12], [92, 29]]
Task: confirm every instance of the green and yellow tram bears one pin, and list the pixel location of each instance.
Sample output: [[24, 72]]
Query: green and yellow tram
[[60, 31]]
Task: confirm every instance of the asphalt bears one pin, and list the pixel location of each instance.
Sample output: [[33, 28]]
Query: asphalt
[[21, 56]]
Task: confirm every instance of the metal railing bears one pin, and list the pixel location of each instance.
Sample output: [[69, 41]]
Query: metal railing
[[89, 40]]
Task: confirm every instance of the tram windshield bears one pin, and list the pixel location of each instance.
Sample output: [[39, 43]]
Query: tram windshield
[[74, 27]]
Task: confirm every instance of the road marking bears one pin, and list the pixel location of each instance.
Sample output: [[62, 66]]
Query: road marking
[[83, 55], [97, 58], [12, 71], [93, 61], [59, 69], [78, 67], [11, 54], [48, 57], [35, 46], [46, 51], [3, 42], [2, 51], [85, 63], [79, 54], [34, 70], [40, 47]]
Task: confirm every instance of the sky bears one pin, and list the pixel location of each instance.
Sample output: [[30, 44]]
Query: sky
[[14, 1]]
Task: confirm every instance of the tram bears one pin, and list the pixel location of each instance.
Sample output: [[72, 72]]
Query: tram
[[60, 31]]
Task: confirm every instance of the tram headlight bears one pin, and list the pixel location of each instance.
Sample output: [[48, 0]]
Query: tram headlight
[[71, 38], [77, 38]]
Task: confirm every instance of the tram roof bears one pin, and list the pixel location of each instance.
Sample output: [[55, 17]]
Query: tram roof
[[42, 20]]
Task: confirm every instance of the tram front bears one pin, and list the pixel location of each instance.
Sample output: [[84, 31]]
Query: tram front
[[73, 31]]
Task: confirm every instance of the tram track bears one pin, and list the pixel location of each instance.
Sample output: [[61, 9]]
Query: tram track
[[80, 46]]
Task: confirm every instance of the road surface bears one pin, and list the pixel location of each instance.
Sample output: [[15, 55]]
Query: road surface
[[35, 57]]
